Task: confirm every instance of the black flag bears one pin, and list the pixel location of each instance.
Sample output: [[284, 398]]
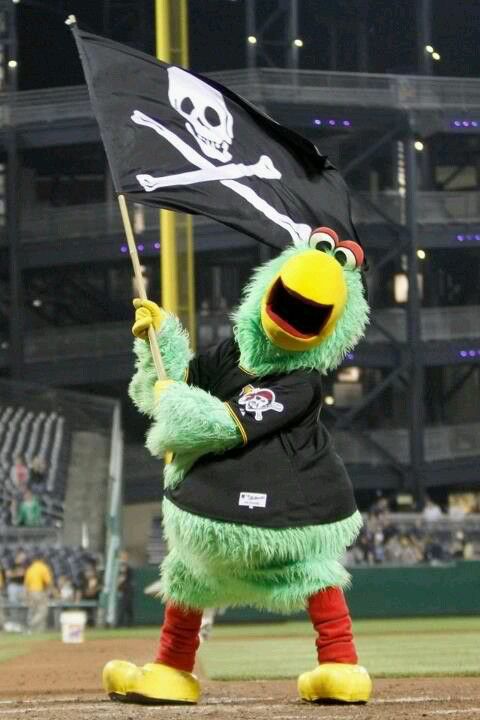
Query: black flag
[[177, 140]]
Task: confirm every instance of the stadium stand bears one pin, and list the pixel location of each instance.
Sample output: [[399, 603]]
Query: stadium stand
[[33, 435], [67, 448]]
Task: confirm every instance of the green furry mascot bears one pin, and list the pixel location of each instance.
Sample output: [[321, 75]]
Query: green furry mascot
[[258, 507]]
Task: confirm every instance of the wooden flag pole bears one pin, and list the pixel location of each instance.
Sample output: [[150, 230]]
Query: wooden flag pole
[[137, 270]]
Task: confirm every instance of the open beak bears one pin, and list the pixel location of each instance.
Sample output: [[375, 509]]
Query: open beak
[[304, 301]]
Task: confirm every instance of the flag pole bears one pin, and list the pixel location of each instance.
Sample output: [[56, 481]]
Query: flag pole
[[71, 21], [137, 270]]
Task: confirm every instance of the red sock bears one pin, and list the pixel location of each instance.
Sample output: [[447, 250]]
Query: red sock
[[330, 616], [179, 638]]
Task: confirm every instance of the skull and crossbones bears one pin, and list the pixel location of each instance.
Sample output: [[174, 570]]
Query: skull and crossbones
[[210, 123], [258, 401]]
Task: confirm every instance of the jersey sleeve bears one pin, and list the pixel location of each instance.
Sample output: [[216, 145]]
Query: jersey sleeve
[[268, 407]]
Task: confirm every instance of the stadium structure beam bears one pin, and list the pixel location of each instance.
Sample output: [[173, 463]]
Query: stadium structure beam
[[456, 386], [424, 36], [417, 371], [371, 150], [17, 309], [348, 418], [278, 29]]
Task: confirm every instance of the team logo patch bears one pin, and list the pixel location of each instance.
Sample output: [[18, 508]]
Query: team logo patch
[[258, 401]]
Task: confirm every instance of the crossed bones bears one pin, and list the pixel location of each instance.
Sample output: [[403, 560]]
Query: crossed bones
[[225, 174]]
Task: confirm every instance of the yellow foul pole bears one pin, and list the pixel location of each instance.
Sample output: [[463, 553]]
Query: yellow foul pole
[[176, 233]]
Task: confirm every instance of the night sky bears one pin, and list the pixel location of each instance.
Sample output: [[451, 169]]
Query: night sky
[[47, 56]]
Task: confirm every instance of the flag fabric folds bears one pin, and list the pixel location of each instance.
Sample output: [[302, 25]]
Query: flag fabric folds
[[177, 140]]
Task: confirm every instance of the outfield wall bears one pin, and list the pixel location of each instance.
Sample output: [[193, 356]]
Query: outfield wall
[[377, 592]]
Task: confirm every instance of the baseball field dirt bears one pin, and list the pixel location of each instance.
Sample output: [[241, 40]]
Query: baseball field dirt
[[62, 682]]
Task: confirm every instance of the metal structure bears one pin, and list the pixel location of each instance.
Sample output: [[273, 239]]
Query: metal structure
[[176, 229], [365, 122]]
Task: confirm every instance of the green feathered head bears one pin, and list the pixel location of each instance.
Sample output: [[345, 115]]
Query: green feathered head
[[305, 309]]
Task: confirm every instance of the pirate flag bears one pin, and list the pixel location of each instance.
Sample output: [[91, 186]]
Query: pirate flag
[[177, 140]]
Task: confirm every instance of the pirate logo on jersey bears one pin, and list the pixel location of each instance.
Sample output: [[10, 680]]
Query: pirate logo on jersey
[[258, 401]]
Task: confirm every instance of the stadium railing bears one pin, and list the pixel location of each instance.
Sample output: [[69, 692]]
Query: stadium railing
[[109, 595], [44, 223], [399, 92]]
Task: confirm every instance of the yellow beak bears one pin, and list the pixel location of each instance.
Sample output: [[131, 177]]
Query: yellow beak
[[304, 301]]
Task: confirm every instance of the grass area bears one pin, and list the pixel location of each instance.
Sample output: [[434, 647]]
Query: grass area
[[13, 644], [388, 648]]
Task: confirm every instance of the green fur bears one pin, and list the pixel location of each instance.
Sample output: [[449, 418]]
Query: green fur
[[260, 356], [213, 563], [174, 346], [190, 420]]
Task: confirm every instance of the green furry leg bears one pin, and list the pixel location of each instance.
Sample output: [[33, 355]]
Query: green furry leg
[[217, 564]]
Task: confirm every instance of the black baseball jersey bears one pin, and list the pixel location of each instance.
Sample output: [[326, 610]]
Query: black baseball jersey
[[286, 473]]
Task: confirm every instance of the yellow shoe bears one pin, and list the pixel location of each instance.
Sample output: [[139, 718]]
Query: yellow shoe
[[335, 681], [152, 684]]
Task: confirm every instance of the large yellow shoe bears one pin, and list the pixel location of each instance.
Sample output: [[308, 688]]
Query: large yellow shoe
[[152, 684], [337, 682]]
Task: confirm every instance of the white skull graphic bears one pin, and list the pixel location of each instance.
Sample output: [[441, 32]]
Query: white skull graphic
[[203, 107]]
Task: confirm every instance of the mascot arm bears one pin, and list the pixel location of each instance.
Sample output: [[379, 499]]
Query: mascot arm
[[271, 407], [188, 419], [173, 343]]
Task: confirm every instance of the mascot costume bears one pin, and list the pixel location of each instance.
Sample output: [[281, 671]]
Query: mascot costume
[[258, 508]]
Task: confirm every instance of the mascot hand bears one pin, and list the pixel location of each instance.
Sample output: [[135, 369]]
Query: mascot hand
[[146, 313], [160, 386]]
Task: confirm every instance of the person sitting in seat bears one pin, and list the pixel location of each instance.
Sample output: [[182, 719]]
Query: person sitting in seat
[[29, 511]]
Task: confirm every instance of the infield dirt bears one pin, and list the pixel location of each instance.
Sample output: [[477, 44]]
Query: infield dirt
[[62, 682]]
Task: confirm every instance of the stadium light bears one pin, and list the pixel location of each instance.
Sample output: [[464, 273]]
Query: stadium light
[[298, 42], [473, 352], [421, 254], [419, 145], [465, 124], [252, 39], [333, 122]]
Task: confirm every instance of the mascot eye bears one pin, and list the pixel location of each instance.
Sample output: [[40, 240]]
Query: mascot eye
[[323, 239], [345, 257]]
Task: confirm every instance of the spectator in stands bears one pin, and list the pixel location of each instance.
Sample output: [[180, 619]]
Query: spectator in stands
[[125, 592], [15, 576], [91, 591], [380, 507], [366, 544], [431, 510], [409, 554], [457, 508], [434, 551], [38, 475], [29, 511], [461, 548], [378, 546], [19, 474], [38, 585], [65, 589]]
